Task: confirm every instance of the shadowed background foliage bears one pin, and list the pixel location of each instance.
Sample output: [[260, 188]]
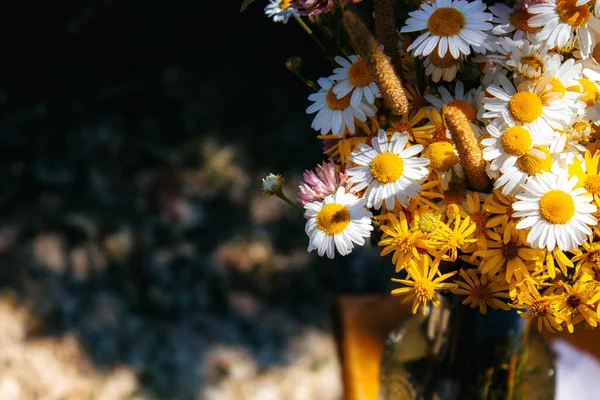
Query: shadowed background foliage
[[138, 256]]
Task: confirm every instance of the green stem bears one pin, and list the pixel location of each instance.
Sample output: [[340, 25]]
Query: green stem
[[308, 82], [309, 31], [283, 197]]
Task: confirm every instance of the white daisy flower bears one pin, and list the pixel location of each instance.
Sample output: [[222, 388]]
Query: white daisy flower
[[355, 77], [452, 26], [462, 100], [556, 213], [562, 20], [508, 19], [335, 114], [465, 101], [569, 141], [388, 170], [512, 176], [528, 61], [280, 10], [509, 142], [338, 222], [441, 67], [533, 107]]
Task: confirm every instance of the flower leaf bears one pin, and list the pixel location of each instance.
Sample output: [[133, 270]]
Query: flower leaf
[[245, 4]]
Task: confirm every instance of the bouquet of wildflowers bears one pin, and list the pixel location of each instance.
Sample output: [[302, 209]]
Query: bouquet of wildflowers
[[463, 138]]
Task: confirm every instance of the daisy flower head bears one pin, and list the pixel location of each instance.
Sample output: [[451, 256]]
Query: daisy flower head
[[556, 213], [336, 115], [530, 106], [509, 142], [528, 61], [508, 20], [441, 67], [530, 164], [388, 170], [280, 10], [461, 99], [563, 20], [338, 222], [354, 77], [453, 26]]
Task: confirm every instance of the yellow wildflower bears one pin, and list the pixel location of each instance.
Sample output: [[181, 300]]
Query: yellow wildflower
[[576, 304], [399, 238], [422, 283], [446, 242], [480, 291]]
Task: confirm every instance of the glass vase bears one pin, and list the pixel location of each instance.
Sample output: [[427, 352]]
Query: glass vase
[[455, 352]]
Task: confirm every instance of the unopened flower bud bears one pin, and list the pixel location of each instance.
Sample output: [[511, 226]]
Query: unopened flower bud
[[272, 184], [294, 64]]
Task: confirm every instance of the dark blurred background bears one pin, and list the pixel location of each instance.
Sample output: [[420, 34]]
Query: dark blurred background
[[138, 255]]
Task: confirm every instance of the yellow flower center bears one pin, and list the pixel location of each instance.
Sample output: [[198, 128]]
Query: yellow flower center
[[466, 108], [337, 104], [387, 167], [441, 155], [333, 218], [531, 164], [519, 19], [454, 195], [525, 107], [442, 62], [557, 207], [481, 293], [592, 184], [534, 62], [539, 308], [285, 4], [590, 92], [516, 141], [558, 87], [446, 21], [427, 224], [571, 14], [359, 74], [405, 244], [580, 130], [424, 290], [479, 219], [573, 301], [510, 250], [596, 53], [593, 256]]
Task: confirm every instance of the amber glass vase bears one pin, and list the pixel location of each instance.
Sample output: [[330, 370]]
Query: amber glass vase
[[456, 353]]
